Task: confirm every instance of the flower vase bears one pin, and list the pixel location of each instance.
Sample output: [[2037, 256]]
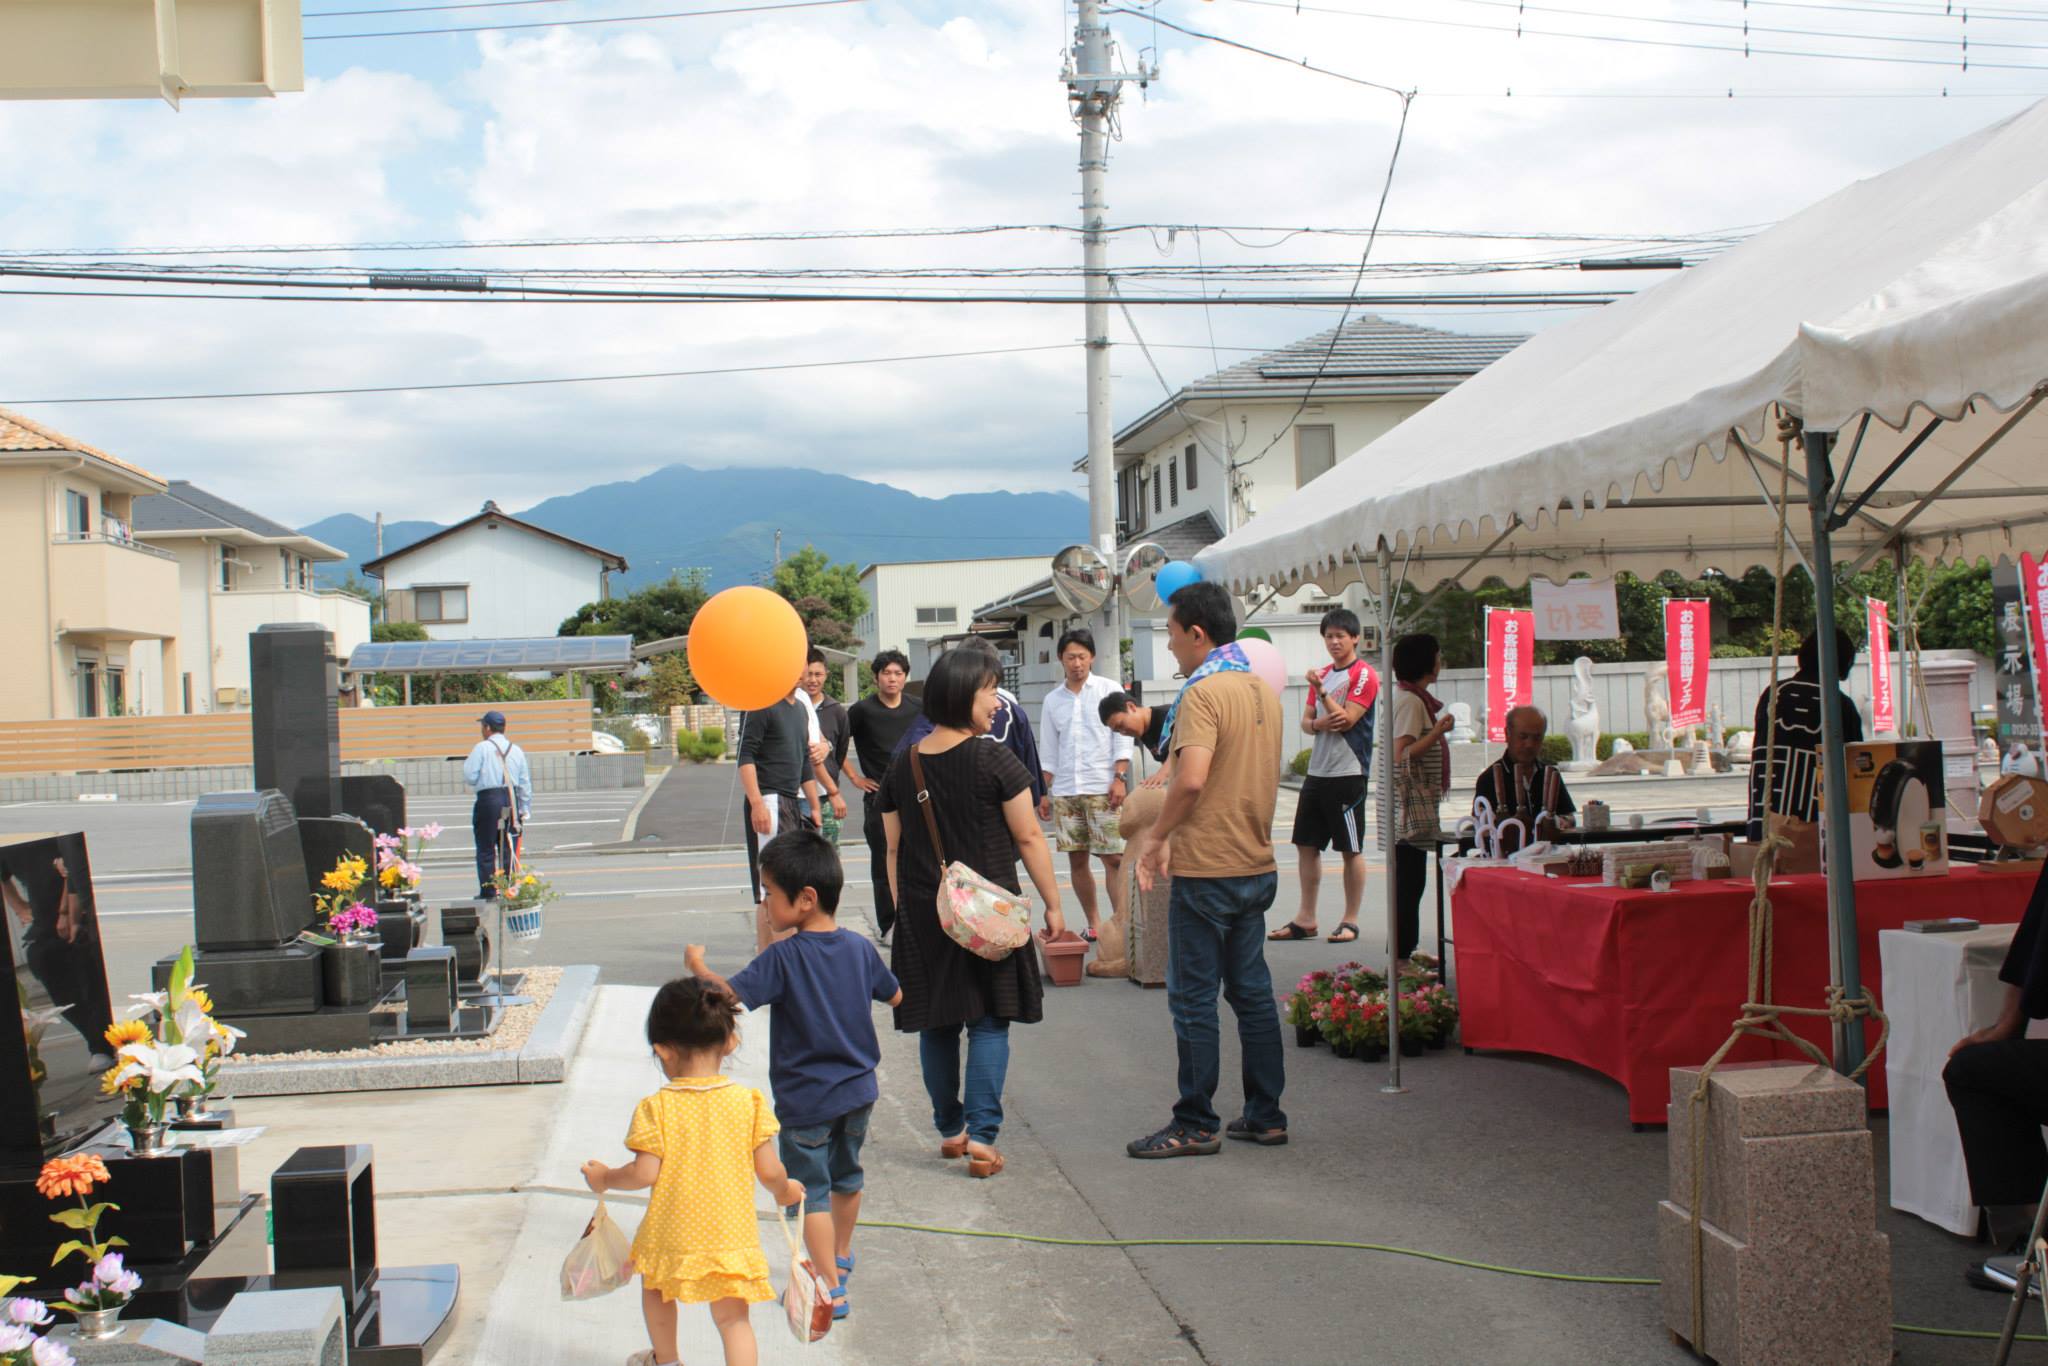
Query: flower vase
[[1306, 1038], [1344, 1048], [149, 1140], [1411, 1045], [351, 973], [99, 1325]]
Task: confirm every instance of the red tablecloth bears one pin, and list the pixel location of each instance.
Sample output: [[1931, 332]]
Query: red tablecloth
[[1634, 983]]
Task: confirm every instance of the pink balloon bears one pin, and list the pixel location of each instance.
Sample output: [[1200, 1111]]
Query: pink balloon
[[1264, 657]]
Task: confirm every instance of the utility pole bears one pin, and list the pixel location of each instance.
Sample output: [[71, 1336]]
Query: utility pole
[[778, 547], [380, 535], [1093, 89]]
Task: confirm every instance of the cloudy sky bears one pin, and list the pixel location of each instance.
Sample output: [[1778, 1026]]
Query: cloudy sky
[[888, 114]]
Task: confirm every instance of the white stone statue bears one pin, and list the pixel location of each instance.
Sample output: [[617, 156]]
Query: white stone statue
[[1623, 746], [1987, 751], [1462, 732], [1742, 746], [1584, 728], [1716, 727], [1657, 708]]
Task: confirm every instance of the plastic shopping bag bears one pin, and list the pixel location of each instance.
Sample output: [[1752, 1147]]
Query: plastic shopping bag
[[808, 1300], [600, 1262]]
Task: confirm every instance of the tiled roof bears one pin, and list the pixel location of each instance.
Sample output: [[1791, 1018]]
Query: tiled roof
[[17, 433], [186, 508], [1402, 357], [492, 513], [1180, 540]]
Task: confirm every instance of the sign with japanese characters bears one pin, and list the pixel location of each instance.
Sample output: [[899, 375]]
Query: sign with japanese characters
[[1510, 666], [2034, 600], [2019, 723], [1688, 644], [1884, 711], [1577, 609]]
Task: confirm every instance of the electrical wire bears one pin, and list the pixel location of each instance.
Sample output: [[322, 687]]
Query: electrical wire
[[529, 383], [1963, 42], [1304, 64], [579, 23], [423, 9], [1942, 12]]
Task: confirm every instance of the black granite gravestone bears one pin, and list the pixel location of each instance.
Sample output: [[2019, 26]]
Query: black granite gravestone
[[430, 989], [327, 840], [377, 799], [463, 930], [294, 679], [250, 887]]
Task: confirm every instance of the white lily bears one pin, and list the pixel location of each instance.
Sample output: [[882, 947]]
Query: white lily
[[227, 1034], [191, 1021], [164, 1065], [147, 1001]]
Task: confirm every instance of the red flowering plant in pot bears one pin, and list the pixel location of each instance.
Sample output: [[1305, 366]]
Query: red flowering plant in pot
[[1369, 1026], [1440, 1013], [1308, 1004], [1339, 1024]]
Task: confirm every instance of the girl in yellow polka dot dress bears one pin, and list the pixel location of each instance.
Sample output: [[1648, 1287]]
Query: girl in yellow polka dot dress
[[701, 1142]]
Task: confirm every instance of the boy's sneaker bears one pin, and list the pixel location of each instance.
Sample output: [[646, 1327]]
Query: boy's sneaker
[[839, 1306]]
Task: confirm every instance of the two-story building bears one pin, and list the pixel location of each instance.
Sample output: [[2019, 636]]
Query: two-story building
[[238, 570], [912, 600], [90, 613], [1202, 461], [492, 577]]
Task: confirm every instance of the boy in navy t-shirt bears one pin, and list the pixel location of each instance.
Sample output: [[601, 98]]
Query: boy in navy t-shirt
[[822, 1049]]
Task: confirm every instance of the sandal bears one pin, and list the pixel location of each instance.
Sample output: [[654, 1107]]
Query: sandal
[[1175, 1141], [952, 1148], [1291, 931], [981, 1166], [1343, 934]]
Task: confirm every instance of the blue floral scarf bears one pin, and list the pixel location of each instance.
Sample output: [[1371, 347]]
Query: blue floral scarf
[[1224, 659]]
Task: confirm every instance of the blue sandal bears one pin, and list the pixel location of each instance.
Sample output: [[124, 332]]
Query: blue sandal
[[839, 1306], [845, 1269]]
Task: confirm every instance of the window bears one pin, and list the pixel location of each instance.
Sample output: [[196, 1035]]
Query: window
[[77, 513], [1315, 452], [1155, 493], [1189, 456], [227, 570], [1173, 483], [440, 605], [88, 687], [284, 558], [937, 616], [305, 572], [117, 691]]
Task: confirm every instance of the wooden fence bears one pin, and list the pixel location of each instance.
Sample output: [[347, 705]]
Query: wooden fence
[[145, 742]]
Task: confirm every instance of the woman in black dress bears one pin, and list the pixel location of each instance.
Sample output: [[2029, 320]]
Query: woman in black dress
[[980, 795]]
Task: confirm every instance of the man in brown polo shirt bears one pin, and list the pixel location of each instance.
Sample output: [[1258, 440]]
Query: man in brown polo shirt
[[1214, 836]]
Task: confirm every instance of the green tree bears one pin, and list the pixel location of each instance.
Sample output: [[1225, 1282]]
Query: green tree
[[828, 598], [659, 611], [669, 683], [398, 630]]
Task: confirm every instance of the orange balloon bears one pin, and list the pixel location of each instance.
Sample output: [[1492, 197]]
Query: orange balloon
[[747, 648]]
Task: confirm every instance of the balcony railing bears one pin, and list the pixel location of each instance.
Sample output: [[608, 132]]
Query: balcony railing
[[105, 538]]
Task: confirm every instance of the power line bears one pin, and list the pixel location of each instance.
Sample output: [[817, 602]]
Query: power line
[[1304, 64], [423, 9], [528, 383], [1943, 12], [1962, 42], [578, 23]]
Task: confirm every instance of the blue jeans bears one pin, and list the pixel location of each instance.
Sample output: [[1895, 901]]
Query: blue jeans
[[826, 1157], [988, 1062], [1216, 935]]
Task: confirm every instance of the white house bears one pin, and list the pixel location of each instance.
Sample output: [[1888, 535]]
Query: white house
[[1200, 463], [925, 599], [237, 571], [492, 577]]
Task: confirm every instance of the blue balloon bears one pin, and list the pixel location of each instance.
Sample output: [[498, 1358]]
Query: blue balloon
[[1174, 576]]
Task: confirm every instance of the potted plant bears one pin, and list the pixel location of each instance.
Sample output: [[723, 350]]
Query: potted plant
[[522, 894], [1443, 1014], [398, 860], [1338, 1013], [1369, 1029], [1313, 989], [19, 1318], [98, 1299], [1414, 1019]]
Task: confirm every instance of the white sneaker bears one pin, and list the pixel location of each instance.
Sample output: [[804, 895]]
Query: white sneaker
[[642, 1358]]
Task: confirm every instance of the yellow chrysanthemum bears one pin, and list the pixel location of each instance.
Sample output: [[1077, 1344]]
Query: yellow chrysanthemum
[[124, 1032], [198, 996], [390, 876], [108, 1086], [338, 880]]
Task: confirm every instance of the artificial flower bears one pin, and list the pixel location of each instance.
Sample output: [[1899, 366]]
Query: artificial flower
[[113, 1278], [390, 876], [124, 1032], [62, 1176], [198, 995], [391, 841], [48, 1352], [148, 1002], [337, 880], [110, 1082], [14, 1338], [429, 832], [162, 1066], [29, 1313]]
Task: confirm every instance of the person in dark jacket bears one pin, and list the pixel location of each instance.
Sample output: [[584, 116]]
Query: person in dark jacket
[[1796, 782]]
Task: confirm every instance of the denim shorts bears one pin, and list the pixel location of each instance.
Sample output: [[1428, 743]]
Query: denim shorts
[[826, 1157]]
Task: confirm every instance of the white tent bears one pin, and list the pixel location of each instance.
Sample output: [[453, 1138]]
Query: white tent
[[1903, 319]]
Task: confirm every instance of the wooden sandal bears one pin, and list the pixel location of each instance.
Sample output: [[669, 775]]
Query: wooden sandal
[[952, 1148], [981, 1167]]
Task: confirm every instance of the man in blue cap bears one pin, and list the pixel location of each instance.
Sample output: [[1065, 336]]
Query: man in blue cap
[[497, 769]]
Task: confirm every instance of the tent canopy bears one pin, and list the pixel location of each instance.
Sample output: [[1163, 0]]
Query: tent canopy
[[1907, 313]]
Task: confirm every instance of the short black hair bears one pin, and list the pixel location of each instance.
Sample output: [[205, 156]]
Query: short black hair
[[814, 655], [692, 1014], [1414, 656], [951, 687], [888, 657], [1205, 605], [1116, 704], [1343, 619], [804, 858], [1809, 654], [1079, 635]]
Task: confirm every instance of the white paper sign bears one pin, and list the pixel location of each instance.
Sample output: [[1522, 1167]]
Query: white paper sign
[[1578, 609]]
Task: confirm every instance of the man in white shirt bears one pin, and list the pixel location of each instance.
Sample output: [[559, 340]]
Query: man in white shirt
[[497, 769], [1087, 771]]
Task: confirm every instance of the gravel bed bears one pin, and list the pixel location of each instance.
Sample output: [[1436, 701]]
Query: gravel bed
[[510, 1036]]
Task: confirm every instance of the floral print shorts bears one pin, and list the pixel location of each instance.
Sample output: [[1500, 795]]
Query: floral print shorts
[[1086, 825]]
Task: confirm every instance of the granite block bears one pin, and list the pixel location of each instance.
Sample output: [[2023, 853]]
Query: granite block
[[545, 1056], [1767, 1099], [1797, 1188], [1777, 1306], [143, 1342], [280, 1328]]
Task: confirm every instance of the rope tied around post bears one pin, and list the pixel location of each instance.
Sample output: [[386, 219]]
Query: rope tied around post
[[1761, 1017]]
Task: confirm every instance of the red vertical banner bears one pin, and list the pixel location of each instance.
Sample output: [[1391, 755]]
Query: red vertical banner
[[1884, 710], [1510, 666], [1688, 645], [2034, 603]]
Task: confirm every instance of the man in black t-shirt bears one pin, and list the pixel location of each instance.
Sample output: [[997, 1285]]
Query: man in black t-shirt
[[875, 724], [1797, 775]]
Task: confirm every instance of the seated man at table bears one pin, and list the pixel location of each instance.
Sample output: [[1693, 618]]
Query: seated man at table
[[1997, 1080], [1520, 786]]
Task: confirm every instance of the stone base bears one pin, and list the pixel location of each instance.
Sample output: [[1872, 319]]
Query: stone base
[[280, 1328], [143, 1342], [1778, 1308]]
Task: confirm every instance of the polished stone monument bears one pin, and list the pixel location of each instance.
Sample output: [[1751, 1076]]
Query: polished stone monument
[[294, 680]]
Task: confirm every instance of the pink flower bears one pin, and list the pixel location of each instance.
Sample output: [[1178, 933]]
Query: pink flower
[[387, 841], [431, 831]]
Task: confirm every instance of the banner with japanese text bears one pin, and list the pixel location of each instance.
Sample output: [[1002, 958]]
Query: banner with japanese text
[[1577, 609], [2019, 720], [2034, 598], [1884, 711], [1510, 666], [1688, 644]]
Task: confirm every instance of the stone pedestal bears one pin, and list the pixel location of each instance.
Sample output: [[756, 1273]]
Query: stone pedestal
[[143, 1342], [280, 1328], [1792, 1268]]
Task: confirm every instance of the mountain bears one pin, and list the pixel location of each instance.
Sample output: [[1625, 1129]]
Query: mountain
[[725, 521]]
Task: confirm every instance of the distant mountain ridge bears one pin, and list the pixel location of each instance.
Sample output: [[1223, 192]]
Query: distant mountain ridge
[[724, 521]]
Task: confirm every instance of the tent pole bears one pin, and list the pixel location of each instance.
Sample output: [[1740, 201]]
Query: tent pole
[[1843, 963], [1902, 681], [1383, 746]]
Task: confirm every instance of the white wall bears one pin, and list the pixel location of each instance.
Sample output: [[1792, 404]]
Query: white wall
[[519, 584], [237, 615], [896, 591]]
